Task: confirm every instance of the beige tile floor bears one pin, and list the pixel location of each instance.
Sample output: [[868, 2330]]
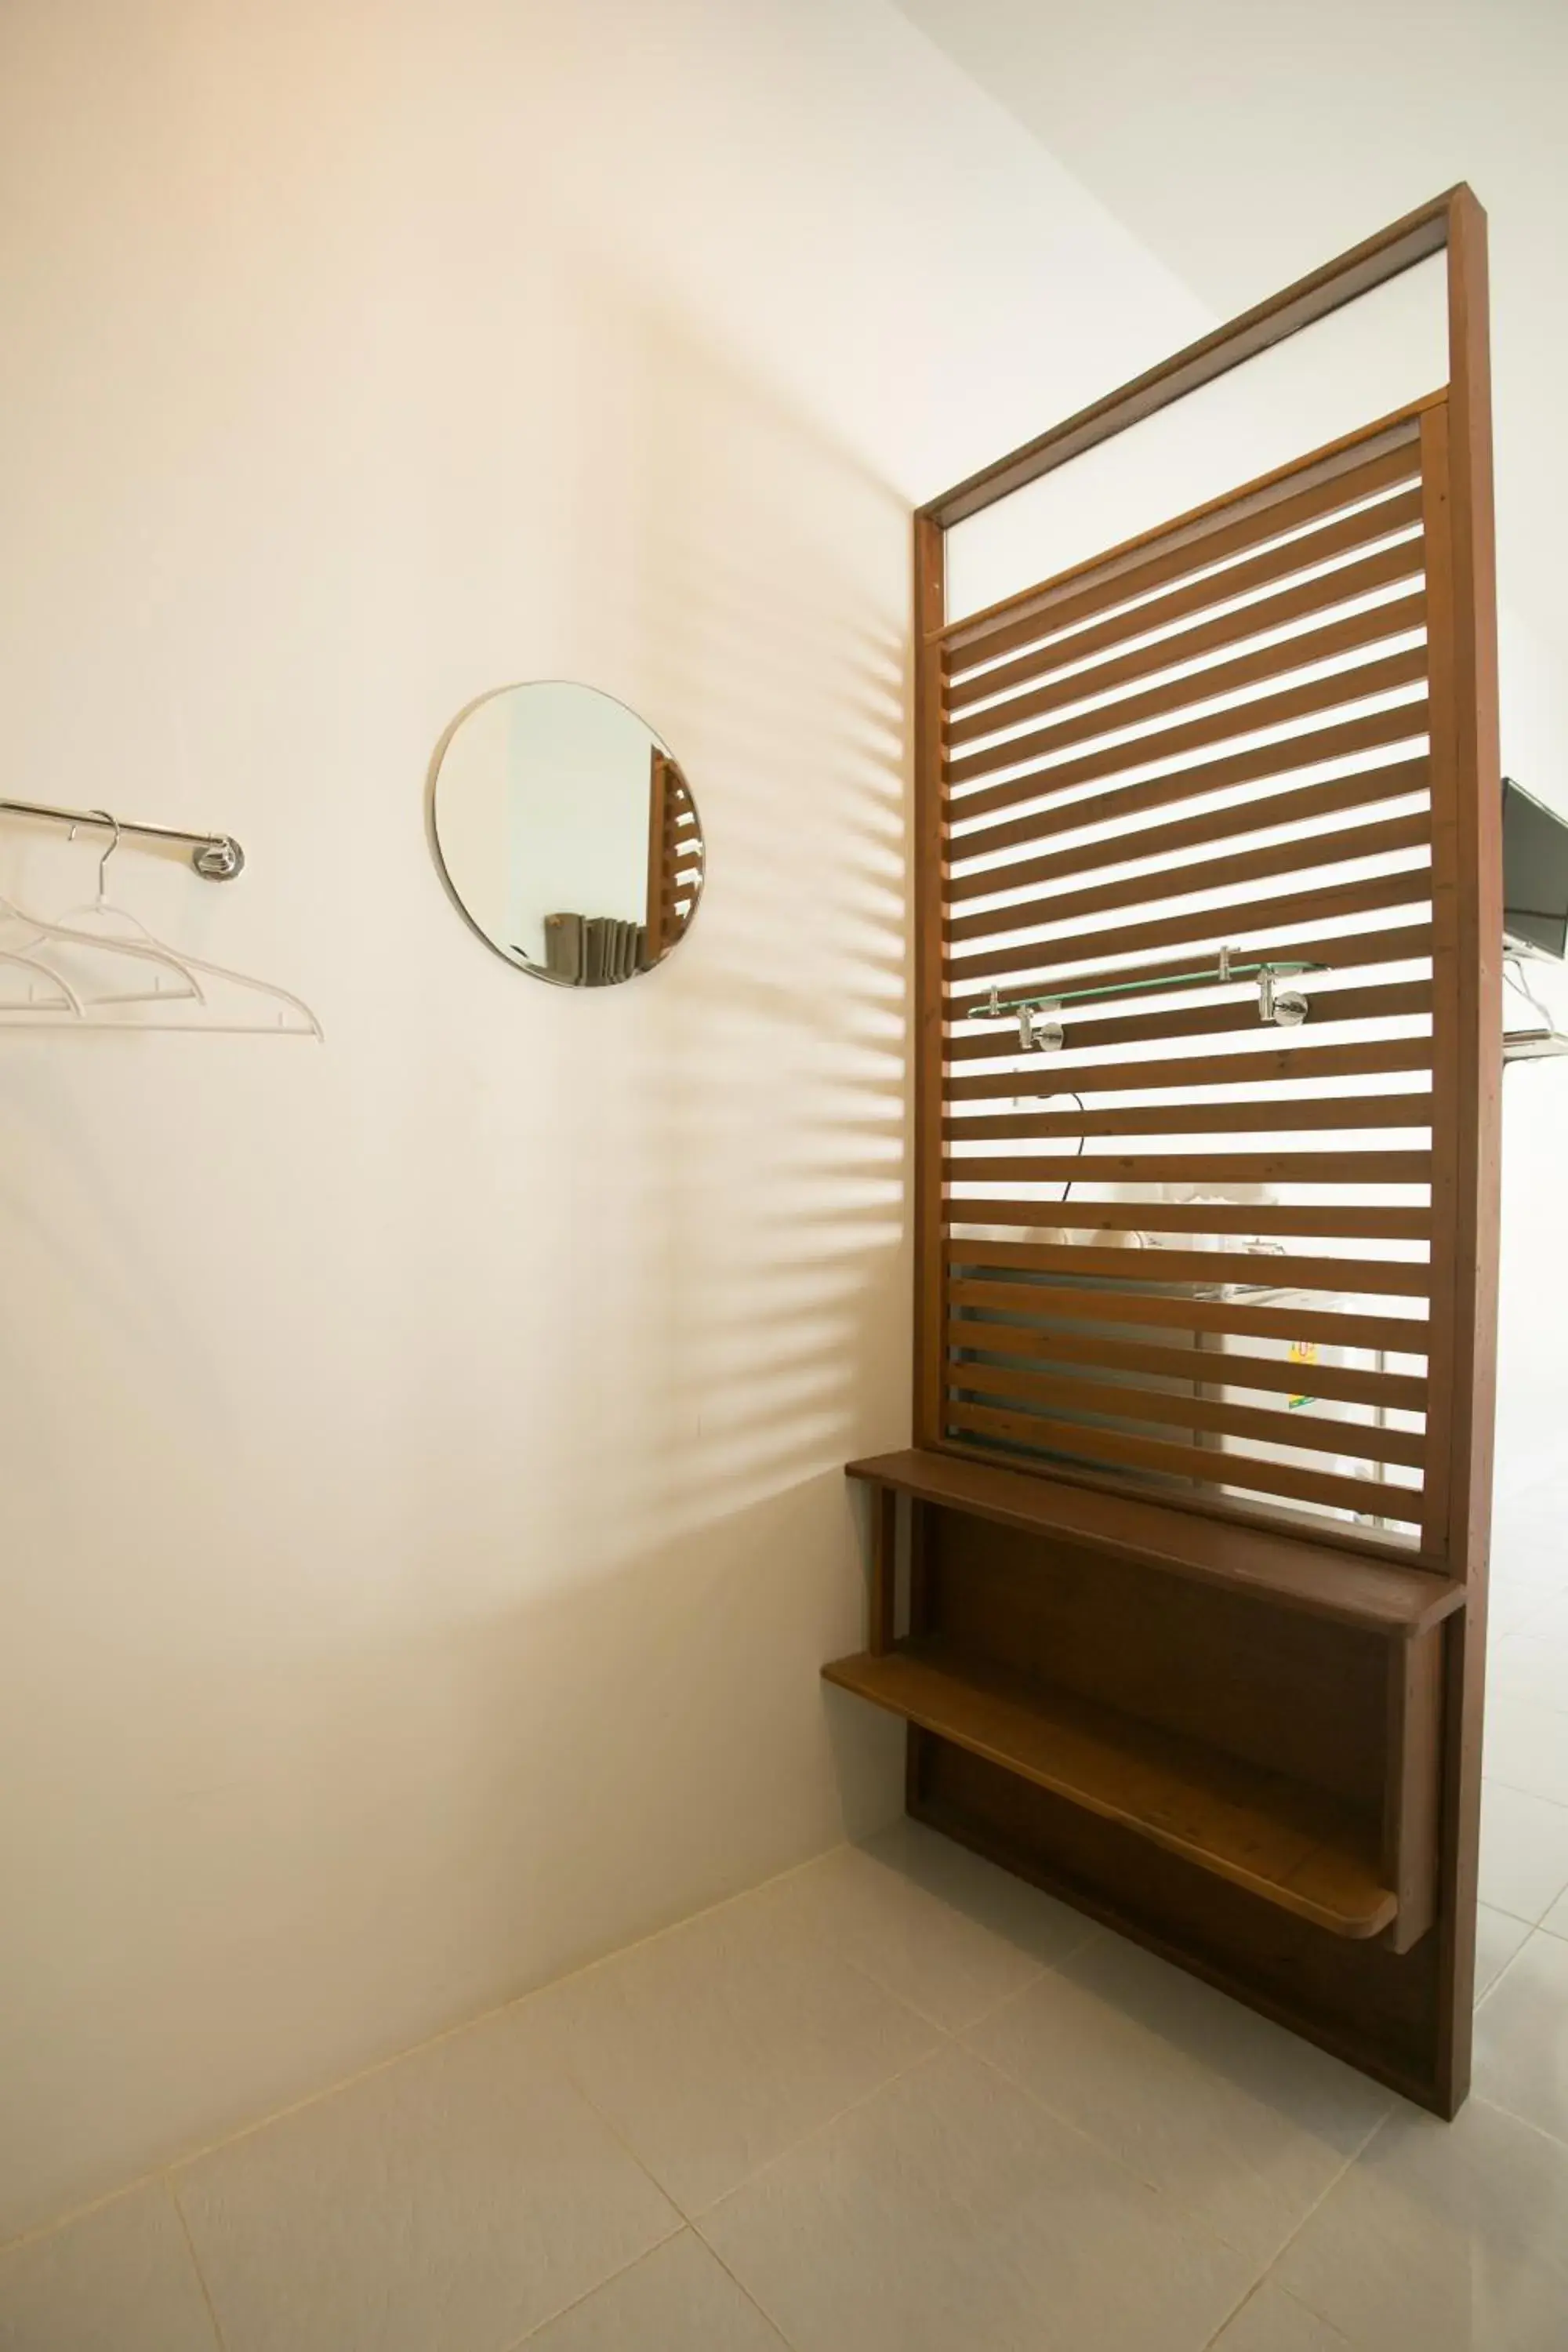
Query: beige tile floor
[[896, 2102]]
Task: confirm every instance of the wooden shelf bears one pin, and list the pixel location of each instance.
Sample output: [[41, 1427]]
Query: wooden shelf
[[1295, 1846], [1318, 1578]]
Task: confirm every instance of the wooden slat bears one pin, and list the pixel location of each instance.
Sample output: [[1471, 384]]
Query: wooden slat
[[1264, 1166], [1087, 1028], [1372, 1058], [1349, 739], [1333, 640], [1322, 1575], [1240, 924], [1392, 1335], [1314, 1115], [1298, 805], [1387, 567], [1352, 1222], [1282, 708], [1359, 1441], [1337, 1384], [1352, 1276], [1211, 535], [982, 1122], [1311, 853], [1298, 1849], [1209, 1465]]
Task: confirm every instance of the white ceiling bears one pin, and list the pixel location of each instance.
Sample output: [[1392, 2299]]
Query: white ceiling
[[1245, 142]]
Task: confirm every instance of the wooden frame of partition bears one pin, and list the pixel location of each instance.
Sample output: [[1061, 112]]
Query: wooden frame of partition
[[1465, 682], [1398, 2002]]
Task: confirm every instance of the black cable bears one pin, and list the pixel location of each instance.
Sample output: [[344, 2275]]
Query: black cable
[[1083, 1138]]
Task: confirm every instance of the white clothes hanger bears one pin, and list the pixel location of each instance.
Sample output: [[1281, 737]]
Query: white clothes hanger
[[140, 937], [209, 1018], [68, 1001], [71, 935], [142, 947], [143, 944]]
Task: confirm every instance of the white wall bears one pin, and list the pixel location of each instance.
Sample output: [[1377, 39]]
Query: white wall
[[420, 1457]]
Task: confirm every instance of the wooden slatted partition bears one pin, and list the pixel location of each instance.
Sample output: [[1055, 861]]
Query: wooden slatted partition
[[1096, 819], [1188, 1626]]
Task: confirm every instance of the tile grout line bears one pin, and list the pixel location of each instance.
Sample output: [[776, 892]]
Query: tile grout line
[[174, 2196], [690, 2219], [1250, 2297], [1316, 2206], [1189, 2219], [1484, 1997], [1056, 2115], [626, 2149], [1489, 2098], [1036, 2099], [949, 2037], [899, 2074], [1092, 1930], [1520, 1918], [768, 2319], [1115, 2158], [1551, 2137], [686, 2230], [1518, 1789], [1293, 2299], [532, 2335], [171, 2166], [948, 2032], [1042, 1969], [926, 2058], [168, 2175]]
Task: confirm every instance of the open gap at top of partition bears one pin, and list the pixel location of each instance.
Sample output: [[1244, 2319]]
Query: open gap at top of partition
[[1383, 354]]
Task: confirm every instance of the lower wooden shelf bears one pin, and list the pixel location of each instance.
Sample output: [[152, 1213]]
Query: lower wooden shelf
[[1293, 1845]]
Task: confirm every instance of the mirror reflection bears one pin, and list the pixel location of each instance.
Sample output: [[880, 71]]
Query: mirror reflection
[[567, 834]]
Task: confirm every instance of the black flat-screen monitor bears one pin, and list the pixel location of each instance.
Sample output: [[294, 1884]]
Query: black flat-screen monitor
[[1534, 873]]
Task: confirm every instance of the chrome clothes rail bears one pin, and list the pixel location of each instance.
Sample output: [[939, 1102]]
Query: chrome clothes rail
[[215, 856]]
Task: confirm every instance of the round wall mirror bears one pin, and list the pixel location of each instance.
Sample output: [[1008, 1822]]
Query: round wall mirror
[[567, 834]]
